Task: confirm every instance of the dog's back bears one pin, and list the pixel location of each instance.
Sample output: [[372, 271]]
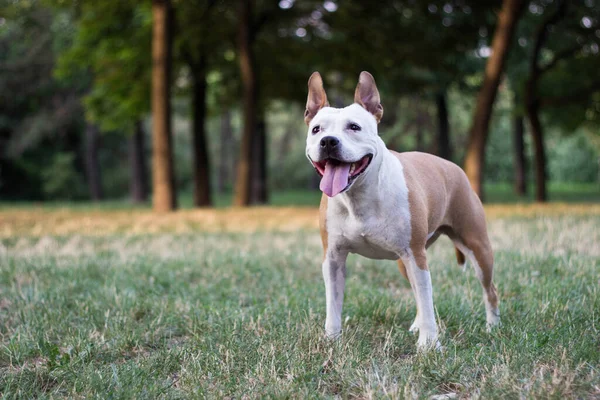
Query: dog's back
[[440, 190]]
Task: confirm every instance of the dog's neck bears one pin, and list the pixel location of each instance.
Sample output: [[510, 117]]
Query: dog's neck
[[375, 189]]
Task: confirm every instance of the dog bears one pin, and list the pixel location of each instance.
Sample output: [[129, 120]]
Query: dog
[[387, 205]]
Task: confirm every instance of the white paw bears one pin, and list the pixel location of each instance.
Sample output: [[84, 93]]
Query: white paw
[[332, 334], [429, 346], [493, 320], [414, 328], [428, 341]]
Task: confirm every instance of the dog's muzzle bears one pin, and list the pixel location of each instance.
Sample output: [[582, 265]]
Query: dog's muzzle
[[338, 175]]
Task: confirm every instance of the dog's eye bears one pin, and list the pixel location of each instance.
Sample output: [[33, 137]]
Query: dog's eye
[[316, 129], [354, 127]]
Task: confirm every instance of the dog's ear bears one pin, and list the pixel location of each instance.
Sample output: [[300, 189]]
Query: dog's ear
[[367, 95], [317, 98]]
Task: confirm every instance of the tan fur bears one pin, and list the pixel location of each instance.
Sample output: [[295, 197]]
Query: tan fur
[[441, 201], [402, 269]]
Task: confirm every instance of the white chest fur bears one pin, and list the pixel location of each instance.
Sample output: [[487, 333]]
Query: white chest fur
[[373, 218]]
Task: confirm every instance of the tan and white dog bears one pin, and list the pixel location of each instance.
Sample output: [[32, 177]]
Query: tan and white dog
[[387, 205]]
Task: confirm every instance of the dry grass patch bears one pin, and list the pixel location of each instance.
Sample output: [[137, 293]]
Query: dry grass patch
[[39, 222]]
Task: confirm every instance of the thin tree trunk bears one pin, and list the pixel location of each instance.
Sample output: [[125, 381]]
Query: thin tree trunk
[[92, 164], [201, 172], [226, 152], [532, 102], [537, 134], [444, 146], [419, 125], [475, 158], [137, 164], [164, 190], [259, 193], [519, 154], [250, 97]]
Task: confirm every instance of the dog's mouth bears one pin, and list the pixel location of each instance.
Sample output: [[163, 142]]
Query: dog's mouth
[[337, 175]]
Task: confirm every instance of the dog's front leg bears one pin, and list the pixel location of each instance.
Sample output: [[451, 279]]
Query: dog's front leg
[[420, 280], [334, 275]]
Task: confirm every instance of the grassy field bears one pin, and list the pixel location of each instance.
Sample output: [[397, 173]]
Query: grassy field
[[230, 303]]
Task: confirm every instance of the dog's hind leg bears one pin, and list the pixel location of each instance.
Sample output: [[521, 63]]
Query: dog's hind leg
[[479, 252], [460, 258]]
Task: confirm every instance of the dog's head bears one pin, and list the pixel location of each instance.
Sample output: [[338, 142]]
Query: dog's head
[[342, 142]]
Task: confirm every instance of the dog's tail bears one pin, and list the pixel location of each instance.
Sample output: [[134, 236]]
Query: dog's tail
[[460, 257]]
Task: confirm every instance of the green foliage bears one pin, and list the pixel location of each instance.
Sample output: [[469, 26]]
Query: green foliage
[[61, 60], [112, 44], [60, 178], [573, 159]]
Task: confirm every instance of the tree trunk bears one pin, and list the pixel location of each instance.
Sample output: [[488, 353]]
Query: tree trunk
[[201, 172], [444, 146], [540, 154], [519, 160], [532, 102], [250, 96], [137, 163], [259, 193], [420, 119], [92, 164], [163, 176], [475, 157], [226, 152]]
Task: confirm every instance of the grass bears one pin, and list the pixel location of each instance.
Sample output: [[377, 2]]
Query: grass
[[92, 305]]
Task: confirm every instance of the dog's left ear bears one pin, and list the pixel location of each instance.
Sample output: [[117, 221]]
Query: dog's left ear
[[317, 98], [367, 95]]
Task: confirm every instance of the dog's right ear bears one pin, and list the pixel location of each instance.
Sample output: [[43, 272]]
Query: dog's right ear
[[317, 98]]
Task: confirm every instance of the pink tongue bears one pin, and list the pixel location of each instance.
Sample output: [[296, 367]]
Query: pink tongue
[[335, 178]]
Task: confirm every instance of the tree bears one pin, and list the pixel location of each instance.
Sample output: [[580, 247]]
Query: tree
[[520, 163], [246, 35], [40, 117], [201, 168], [419, 48], [164, 191], [92, 165], [444, 146], [118, 96], [202, 26], [569, 48], [137, 165], [475, 158]]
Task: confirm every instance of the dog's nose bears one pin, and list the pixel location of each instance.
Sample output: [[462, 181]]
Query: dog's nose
[[329, 142]]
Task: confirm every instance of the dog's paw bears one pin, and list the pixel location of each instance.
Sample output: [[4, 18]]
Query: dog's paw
[[332, 335], [493, 320], [491, 326], [430, 346], [428, 340], [414, 328]]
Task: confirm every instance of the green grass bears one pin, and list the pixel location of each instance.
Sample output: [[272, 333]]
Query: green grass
[[240, 315]]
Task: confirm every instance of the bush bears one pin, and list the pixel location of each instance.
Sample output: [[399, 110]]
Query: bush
[[60, 180]]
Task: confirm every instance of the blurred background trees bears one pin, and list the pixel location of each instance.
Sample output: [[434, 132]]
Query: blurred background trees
[[213, 92]]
